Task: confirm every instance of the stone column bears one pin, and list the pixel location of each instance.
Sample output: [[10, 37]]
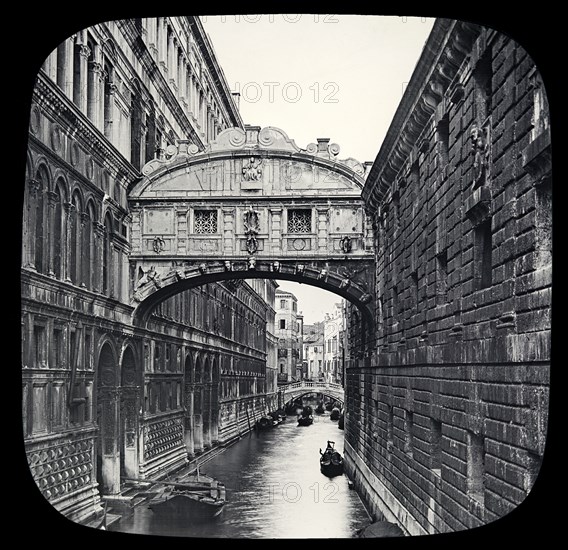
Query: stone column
[[162, 43], [34, 187], [174, 78], [102, 75], [80, 82], [276, 230], [50, 65], [94, 92], [99, 230], [52, 203], [170, 56], [69, 46], [110, 463], [70, 213], [84, 219], [322, 230], [198, 419], [192, 95], [151, 23], [189, 417], [182, 71], [207, 415]]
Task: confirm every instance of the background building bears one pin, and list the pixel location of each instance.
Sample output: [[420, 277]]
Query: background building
[[288, 332], [334, 335], [313, 345], [103, 399]]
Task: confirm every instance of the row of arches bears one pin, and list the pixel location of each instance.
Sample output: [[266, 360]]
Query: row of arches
[[120, 390], [69, 236]]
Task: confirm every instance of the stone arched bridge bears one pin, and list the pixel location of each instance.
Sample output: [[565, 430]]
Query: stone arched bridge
[[297, 389], [253, 204]]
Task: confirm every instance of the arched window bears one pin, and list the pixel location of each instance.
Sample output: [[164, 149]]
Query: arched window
[[150, 139], [107, 256], [108, 99], [57, 225], [88, 246], [136, 127], [75, 234], [40, 233]]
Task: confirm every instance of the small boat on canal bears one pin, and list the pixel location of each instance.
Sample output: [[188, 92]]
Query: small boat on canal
[[341, 421], [331, 461], [320, 408], [306, 418], [198, 498], [334, 414], [264, 422]]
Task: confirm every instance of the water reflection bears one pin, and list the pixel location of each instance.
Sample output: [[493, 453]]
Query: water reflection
[[274, 490]]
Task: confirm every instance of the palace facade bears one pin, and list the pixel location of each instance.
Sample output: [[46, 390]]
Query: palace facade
[[104, 400]]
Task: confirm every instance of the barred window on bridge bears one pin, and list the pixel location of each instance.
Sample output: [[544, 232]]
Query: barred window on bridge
[[300, 221], [205, 221]]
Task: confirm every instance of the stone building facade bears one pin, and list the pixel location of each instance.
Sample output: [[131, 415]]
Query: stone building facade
[[312, 346], [104, 400], [289, 333], [447, 416], [334, 331]]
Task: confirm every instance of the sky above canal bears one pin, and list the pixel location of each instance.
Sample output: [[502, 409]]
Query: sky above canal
[[315, 75]]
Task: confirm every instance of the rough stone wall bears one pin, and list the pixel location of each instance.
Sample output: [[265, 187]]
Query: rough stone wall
[[448, 418]]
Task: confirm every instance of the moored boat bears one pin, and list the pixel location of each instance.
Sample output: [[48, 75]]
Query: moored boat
[[198, 498], [331, 461], [264, 422], [320, 408], [334, 414]]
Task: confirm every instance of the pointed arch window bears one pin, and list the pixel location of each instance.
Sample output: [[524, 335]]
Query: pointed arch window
[[76, 248], [57, 225], [88, 246], [40, 232], [108, 98], [107, 256]]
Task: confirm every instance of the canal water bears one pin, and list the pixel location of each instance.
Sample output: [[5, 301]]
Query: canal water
[[274, 490]]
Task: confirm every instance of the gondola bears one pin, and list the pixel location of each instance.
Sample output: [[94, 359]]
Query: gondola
[[328, 406], [199, 498], [341, 421], [320, 408], [306, 418], [331, 462], [334, 414], [264, 422]]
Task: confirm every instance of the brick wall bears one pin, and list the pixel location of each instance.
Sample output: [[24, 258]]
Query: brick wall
[[450, 415]]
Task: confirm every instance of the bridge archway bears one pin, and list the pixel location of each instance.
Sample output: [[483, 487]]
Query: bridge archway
[[252, 205]]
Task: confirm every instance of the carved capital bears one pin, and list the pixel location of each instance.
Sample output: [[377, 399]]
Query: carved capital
[[95, 67], [35, 186], [84, 50], [52, 198], [69, 209]]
